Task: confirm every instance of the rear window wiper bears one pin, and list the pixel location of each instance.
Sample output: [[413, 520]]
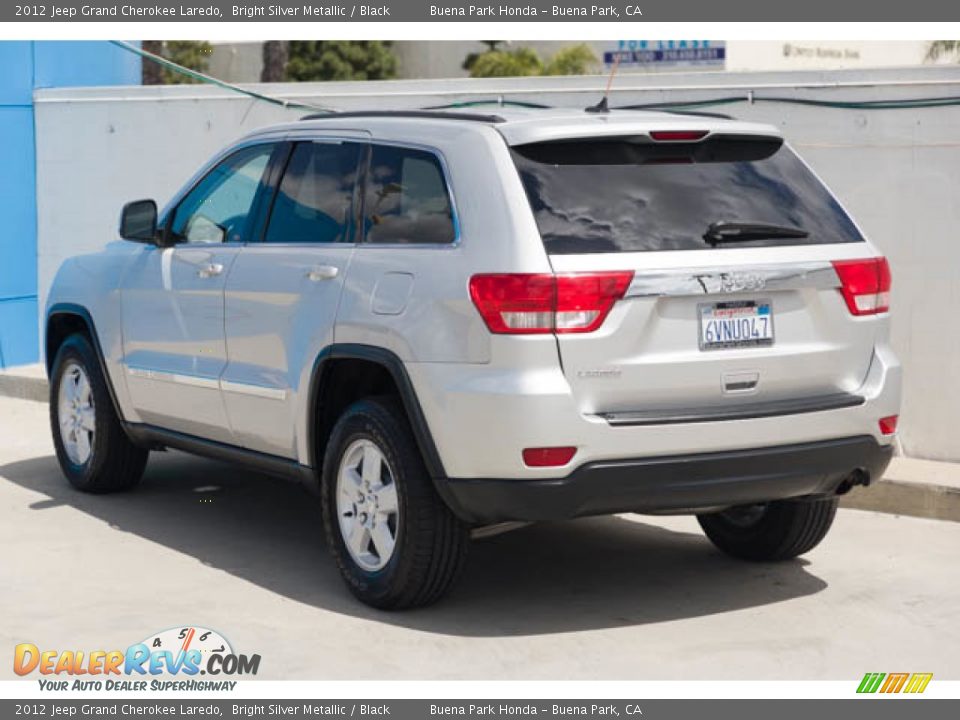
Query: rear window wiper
[[731, 232]]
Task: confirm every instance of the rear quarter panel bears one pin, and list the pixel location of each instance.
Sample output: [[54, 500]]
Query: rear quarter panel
[[497, 233]]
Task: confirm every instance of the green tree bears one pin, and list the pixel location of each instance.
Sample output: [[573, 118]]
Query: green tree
[[943, 48], [520, 62], [340, 60], [192, 54], [507, 63], [573, 60], [472, 57]]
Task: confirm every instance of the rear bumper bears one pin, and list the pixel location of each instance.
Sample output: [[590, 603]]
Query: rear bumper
[[672, 484], [481, 417]]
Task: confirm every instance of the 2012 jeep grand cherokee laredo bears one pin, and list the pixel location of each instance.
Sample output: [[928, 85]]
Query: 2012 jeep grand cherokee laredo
[[443, 320]]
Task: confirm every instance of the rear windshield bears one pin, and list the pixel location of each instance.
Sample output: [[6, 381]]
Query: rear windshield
[[630, 194]]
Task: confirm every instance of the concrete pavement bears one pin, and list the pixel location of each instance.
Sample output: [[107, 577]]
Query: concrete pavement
[[27, 382], [625, 597]]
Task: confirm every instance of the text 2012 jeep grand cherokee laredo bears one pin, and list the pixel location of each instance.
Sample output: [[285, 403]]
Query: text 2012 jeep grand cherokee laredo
[[442, 320]]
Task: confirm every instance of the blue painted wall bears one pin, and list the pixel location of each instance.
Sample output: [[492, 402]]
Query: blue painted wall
[[28, 65]]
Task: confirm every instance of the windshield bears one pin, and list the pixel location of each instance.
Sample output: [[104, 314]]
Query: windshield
[[629, 194]]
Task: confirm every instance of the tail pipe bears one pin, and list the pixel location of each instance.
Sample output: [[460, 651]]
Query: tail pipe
[[857, 477]]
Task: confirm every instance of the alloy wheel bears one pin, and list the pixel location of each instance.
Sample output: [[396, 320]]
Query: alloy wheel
[[76, 414], [367, 506]]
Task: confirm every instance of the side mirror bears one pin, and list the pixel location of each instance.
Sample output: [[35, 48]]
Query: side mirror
[[138, 221]]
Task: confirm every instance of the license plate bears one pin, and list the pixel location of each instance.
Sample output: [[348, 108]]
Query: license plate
[[734, 324]]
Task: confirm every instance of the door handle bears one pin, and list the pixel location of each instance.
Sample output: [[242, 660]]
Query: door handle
[[210, 270], [322, 272]]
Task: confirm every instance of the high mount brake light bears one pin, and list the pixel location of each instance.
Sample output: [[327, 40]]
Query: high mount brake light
[[539, 303], [865, 284], [677, 135]]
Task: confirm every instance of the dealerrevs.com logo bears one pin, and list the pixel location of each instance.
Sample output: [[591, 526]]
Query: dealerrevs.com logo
[[169, 660]]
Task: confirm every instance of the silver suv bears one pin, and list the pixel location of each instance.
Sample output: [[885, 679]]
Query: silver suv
[[447, 320]]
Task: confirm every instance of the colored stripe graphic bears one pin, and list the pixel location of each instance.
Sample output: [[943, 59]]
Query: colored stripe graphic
[[870, 682], [895, 682], [918, 682]]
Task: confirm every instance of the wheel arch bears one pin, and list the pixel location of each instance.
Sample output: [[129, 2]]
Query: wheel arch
[[64, 320], [324, 374]]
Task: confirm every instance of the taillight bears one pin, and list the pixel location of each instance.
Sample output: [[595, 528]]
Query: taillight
[[865, 284], [515, 303], [522, 304], [584, 299]]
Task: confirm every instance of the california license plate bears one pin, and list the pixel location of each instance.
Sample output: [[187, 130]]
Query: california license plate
[[734, 324]]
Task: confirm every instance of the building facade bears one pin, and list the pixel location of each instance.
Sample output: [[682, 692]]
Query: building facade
[[27, 66]]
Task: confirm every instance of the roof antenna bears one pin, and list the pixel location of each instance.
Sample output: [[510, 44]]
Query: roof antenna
[[602, 107]]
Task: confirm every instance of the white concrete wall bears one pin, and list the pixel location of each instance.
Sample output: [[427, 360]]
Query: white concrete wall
[[823, 54], [898, 171]]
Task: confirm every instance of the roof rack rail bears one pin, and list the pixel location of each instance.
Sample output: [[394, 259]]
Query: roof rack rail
[[425, 114], [499, 102]]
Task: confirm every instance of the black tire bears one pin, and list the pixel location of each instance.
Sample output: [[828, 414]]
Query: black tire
[[775, 531], [430, 541], [114, 463]]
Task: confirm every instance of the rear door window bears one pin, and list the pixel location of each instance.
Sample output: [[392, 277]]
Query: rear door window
[[315, 195], [632, 194], [407, 199]]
